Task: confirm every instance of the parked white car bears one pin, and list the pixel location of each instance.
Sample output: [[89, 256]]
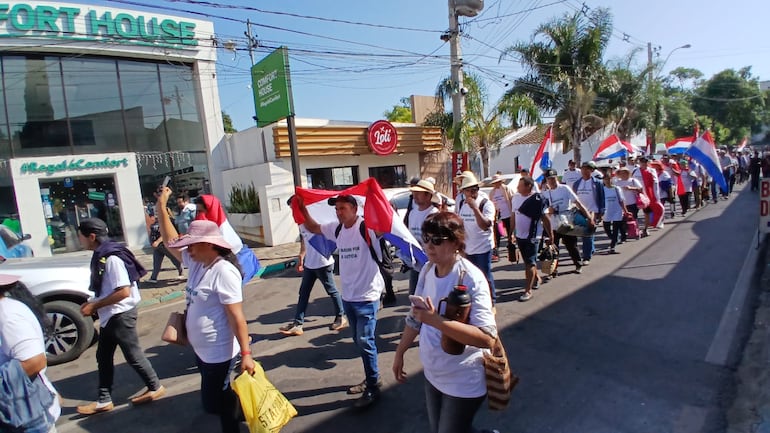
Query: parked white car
[[61, 283], [399, 199]]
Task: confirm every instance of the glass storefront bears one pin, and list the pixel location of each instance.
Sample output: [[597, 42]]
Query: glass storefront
[[52, 105]]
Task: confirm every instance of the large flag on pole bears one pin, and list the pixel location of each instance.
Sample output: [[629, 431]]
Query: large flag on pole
[[543, 157], [704, 153], [378, 214], [613, 147], [679, 146]]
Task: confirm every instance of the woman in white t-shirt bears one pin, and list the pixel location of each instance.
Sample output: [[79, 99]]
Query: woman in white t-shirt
[[23, 323], [455, 385], [215, 324], [688, 176], [614, 211]]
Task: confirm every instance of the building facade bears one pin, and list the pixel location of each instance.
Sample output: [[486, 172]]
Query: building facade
[[97, 106]]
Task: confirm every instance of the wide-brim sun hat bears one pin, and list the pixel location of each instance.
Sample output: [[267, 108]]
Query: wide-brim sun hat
[[423, 186], [201, 231], [469, 180], [7, 279], [626, 169]]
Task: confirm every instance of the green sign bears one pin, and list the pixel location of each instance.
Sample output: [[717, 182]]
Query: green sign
[[72, 165], [67, 22], [93, 195], [272, 88]]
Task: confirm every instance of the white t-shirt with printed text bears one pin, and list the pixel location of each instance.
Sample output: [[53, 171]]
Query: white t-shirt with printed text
[[208, 290], [570, 177], [613, 197], [359, 274], [561, 199], [478, 240], [501, 202], [455, 375], [629, 196], [415, 220], [586, 194], [523, 222]]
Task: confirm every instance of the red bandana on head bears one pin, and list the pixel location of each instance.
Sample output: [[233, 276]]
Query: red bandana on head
[[214, 210]]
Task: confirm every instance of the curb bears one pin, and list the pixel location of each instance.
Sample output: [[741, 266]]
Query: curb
[[262, 273]]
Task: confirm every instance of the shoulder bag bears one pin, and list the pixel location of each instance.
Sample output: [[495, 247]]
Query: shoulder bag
[[500, 380]]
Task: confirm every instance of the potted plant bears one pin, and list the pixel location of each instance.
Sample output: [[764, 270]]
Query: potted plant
[[244, 212]]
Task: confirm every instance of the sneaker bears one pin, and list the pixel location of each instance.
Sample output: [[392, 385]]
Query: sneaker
[[340, 322], [94, 408], [361, 387], [525, 297], [368, 398], [149, 396], [579, 269], [586, 262], [292, 329]]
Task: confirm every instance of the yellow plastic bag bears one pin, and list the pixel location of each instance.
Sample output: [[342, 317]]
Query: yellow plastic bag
[[265, 408]]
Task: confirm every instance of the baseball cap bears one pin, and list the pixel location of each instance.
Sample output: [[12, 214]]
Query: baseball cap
[[344, 198], [551, 173], [589, 164]]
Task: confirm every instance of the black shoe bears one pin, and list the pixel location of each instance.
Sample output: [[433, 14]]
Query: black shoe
[[368, 398], [389, 301]]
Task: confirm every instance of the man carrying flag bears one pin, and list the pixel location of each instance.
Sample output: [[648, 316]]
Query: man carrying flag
[[362, 285], [704, 153]]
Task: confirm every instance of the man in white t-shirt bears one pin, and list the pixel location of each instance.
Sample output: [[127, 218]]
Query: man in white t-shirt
[[114, 276], [528, 211], [571, 174], [423, 192], [478, 214], [590, 191], [560, 200], [501, 195], [186, 214], [314, 266], [362, 285]]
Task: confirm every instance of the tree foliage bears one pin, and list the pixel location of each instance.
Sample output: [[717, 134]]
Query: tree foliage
[[402, 112], [228, 123]]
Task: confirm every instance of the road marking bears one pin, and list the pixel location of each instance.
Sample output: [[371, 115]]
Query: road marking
[[719, 351]]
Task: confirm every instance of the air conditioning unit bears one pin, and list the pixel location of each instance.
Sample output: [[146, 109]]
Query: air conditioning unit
[[468, 8]]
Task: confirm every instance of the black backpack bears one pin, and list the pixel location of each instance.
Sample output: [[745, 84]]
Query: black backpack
[[533, 208], [386, 264]]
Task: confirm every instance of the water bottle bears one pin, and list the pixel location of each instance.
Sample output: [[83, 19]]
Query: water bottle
[[457, 306]]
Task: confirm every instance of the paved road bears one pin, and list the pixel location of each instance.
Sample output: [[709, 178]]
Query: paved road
[[644, 341]]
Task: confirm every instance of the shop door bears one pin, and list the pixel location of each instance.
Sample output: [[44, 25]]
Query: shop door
[[69, 200]]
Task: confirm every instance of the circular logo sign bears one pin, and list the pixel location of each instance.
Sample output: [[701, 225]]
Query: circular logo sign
[[383, 137]]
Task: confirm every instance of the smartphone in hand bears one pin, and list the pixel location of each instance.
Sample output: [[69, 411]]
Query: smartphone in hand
[[418, 302], [166, 181]]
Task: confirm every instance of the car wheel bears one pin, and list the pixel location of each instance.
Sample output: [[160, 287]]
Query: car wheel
[[72, 333]]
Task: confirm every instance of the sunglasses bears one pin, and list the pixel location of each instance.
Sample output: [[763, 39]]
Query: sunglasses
[[435, 240]]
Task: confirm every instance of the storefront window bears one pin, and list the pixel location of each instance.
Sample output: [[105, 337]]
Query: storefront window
[[143, 106], [390, 176], [35, 99], [182, 120], [333, 178], [93, 101]]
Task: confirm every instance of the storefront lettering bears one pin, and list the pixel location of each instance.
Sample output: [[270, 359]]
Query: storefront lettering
[[72, 165], [62, 22]]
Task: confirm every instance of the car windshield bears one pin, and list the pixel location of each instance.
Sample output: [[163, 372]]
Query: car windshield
[[400, 201]]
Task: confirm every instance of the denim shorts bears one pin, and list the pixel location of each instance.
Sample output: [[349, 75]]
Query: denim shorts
[[528, 251]]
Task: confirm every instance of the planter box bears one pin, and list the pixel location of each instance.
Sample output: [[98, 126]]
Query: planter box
[[248, 226]]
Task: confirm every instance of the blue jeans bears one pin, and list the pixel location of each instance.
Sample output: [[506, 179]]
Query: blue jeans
[[362, 317], [447, 414], [308, 280], [217, 396], [588, 247], [483, 261]]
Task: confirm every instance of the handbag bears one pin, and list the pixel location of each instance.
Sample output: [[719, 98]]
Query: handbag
[[642, 201], [266, 410], [175, 331], [500, 379]]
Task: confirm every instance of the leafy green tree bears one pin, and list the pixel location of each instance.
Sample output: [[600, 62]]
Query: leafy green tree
[[624, 98], [400, 113], [483, 126], [733, 100], [564, 67], [228, 123]]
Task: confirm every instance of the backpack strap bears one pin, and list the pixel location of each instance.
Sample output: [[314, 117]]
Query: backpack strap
[[365, 234]]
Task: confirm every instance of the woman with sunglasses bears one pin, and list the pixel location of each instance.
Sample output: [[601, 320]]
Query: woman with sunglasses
[[455, 385]]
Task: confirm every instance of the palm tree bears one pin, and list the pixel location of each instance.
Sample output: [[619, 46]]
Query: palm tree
[[483, 127], [564, 67]]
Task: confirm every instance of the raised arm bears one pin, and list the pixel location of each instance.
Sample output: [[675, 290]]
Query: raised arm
[[167, 230], [310, 224]]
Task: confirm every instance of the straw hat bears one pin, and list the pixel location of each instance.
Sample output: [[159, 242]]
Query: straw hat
[[469, 180], [201, 231], [496, 179], [423, 186]]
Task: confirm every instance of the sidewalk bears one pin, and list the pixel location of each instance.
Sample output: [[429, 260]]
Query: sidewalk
[[169, 287]]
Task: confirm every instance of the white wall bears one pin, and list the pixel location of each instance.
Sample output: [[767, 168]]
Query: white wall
[[30, 204]]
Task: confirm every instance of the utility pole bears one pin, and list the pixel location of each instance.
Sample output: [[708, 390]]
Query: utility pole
[[651, 76], [456, 64], [252, 41]]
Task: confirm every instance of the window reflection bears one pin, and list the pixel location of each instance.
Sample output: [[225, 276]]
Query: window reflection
[[184, 128], [142, 104]]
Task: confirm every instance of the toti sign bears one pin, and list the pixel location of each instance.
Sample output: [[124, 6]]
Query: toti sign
[[382, 137]]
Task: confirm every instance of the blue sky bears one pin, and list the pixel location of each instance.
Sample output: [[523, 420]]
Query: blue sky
[[353, 72]]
